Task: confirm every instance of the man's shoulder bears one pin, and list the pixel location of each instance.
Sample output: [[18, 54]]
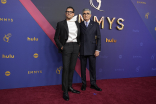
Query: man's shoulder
[[82, 22], [60, 22], [93, 22]]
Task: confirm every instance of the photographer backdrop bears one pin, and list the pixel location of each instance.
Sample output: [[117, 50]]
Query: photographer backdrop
[[30, 56]]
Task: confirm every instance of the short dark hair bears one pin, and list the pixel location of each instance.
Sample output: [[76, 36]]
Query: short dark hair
[[71, 8]]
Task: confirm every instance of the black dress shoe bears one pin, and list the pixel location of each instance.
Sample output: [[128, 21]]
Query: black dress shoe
[[65, 96], [83, 87], [95, 87], [73, 91]]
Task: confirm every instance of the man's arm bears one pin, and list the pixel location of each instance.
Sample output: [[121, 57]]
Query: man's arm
[[57, 36], [98, 38], [98, 49]]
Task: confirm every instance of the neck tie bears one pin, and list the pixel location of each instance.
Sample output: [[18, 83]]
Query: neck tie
[[86, 24]]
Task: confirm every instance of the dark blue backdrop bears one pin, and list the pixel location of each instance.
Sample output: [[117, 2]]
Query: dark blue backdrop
[[30, 58]]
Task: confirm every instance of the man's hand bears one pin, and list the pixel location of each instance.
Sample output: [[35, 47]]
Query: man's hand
[[96, 53], [79, 54], [62, 48]]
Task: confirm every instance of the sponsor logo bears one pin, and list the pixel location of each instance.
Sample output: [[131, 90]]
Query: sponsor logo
[[110, 40], [32, 39], [35, 55], [7, 73], [7, 56], [3, 1], [6, 37]]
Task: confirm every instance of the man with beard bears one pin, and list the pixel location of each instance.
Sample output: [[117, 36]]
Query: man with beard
[[67, 40]]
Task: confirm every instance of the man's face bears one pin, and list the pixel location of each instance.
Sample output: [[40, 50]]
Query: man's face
[[69, 13], [86, 15]]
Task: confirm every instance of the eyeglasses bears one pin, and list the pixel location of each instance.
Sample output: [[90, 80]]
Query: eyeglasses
[[86, 13], [69, 12]]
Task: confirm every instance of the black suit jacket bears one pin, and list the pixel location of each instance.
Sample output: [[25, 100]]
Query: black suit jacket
[[87, 38], [61, 34]]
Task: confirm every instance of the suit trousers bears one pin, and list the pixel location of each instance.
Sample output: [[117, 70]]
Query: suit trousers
[[69, 58], [92, 68]]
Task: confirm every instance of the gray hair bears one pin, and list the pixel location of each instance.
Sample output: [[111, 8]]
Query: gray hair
[[87, 10]]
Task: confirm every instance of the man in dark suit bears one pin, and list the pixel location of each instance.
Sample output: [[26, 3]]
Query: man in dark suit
[[90, 47], [67, 40]]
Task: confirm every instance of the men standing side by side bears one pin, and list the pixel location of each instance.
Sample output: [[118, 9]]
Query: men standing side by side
[[67, 38], [90, 48]]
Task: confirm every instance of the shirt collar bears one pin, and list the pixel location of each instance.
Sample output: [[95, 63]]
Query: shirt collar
[[86, 21], [73, 19]]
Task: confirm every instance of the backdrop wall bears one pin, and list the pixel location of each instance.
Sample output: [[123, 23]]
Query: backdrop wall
[[29, 56]]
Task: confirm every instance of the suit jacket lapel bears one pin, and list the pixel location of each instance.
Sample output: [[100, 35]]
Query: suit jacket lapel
[[65, 26], [83, 25], [77, 24], [90, 25]]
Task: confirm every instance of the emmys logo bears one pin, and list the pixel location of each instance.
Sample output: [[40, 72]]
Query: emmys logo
[[96, 7], [3, 1], [59, 70], [101, 21], [7, 56], [6, 37], [6, 19], [7, 73], [140, 2], [35, 72], [35, 55], [146, 15]]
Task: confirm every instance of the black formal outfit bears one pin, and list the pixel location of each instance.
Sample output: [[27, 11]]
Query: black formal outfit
[[89, 44], [69, 53]]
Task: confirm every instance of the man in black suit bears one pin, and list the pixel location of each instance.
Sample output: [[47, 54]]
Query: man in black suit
[[67, 40], [90, 48]]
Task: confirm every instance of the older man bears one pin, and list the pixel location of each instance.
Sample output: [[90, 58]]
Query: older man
[[89, 49]]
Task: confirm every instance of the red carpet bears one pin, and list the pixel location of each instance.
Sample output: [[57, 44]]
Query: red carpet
[[114, 91]]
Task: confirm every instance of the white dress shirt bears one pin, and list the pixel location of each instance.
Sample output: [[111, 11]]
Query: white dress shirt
[[86, 23], [72, 28]]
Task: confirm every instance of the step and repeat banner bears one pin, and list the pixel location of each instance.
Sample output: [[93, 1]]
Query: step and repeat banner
[[29, 56]]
